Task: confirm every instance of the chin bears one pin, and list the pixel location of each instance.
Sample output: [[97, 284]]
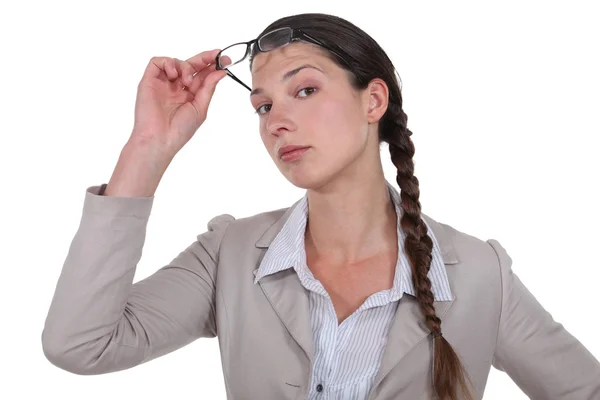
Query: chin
[[307, 178], [312, 173]]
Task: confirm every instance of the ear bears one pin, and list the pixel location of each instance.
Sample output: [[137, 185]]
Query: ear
[[377, 100]]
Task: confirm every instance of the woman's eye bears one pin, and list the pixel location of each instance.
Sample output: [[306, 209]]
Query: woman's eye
[[308, 89], [258, 109]]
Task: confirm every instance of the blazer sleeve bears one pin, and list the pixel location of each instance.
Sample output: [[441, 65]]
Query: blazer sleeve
[[537, 352], [98, 320]]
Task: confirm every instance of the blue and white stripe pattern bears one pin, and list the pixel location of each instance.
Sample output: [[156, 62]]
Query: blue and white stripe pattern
[[348, 356]]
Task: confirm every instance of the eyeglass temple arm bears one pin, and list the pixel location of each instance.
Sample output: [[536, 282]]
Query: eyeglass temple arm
[[301, 33], [231, 74], [236, 79]]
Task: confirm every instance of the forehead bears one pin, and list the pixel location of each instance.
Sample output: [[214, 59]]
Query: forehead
[[274, 63]]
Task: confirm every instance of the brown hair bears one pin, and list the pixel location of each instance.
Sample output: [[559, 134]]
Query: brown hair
[[367, 60]]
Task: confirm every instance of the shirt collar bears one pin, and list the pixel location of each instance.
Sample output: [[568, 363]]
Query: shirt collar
[[287, 251]]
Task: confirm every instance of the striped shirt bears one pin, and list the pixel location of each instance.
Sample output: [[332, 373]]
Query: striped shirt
[[348, 355]]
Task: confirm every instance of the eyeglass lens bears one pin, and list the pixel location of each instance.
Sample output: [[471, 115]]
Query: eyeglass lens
[[268, 42]]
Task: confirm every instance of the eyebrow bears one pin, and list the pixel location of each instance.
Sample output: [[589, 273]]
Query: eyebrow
[[286, 76]]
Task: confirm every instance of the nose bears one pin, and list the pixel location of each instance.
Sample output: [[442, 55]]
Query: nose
[[279, 121]]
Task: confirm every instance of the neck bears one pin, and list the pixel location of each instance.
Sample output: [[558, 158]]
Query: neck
[[351, 220]]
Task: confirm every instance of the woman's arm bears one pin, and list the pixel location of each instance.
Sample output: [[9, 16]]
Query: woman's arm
[[537, 352], [99, 321]]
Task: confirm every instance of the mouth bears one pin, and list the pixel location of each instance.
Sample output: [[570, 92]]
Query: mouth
[[292, 153]]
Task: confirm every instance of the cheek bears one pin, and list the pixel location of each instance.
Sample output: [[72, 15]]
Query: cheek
[[336, 125], [268, 140], [322, 117]]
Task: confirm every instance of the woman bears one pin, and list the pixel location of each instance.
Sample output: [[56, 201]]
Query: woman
[[350, 293]]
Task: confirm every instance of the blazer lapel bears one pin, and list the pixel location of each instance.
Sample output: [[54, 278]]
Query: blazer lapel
[[408, 327], [289, 299], [286, 294]]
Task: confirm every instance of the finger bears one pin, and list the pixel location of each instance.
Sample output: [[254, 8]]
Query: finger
[[225, 61], [155, 67], [172, 69], [207, 89], [204, 59], [186, 71], [200, 77], [181, 71]]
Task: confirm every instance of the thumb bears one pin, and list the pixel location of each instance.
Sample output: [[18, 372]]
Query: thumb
[[205, 92]]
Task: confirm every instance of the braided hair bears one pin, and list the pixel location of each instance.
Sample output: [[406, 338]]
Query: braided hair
[[448, 369]]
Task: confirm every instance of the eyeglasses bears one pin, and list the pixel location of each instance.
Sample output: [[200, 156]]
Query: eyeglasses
[[269, 41]]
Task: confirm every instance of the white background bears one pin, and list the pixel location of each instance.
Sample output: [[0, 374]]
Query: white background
[[503, 101]]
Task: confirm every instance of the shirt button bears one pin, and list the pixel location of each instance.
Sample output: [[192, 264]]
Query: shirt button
[[319, 388]]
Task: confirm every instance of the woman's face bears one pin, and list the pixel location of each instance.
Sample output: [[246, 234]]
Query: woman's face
[[315, 108]]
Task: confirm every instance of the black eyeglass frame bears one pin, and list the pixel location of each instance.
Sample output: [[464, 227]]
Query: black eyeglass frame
[[296, 34]]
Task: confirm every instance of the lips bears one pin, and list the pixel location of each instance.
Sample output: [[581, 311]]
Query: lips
[[289, 148]]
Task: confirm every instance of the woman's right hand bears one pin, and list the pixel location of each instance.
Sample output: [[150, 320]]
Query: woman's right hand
[[173, 97]]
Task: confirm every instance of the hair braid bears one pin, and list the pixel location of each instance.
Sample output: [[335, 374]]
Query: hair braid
[[418, 245]]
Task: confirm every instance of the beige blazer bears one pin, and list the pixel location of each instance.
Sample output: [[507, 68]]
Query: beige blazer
[[99, 322]]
